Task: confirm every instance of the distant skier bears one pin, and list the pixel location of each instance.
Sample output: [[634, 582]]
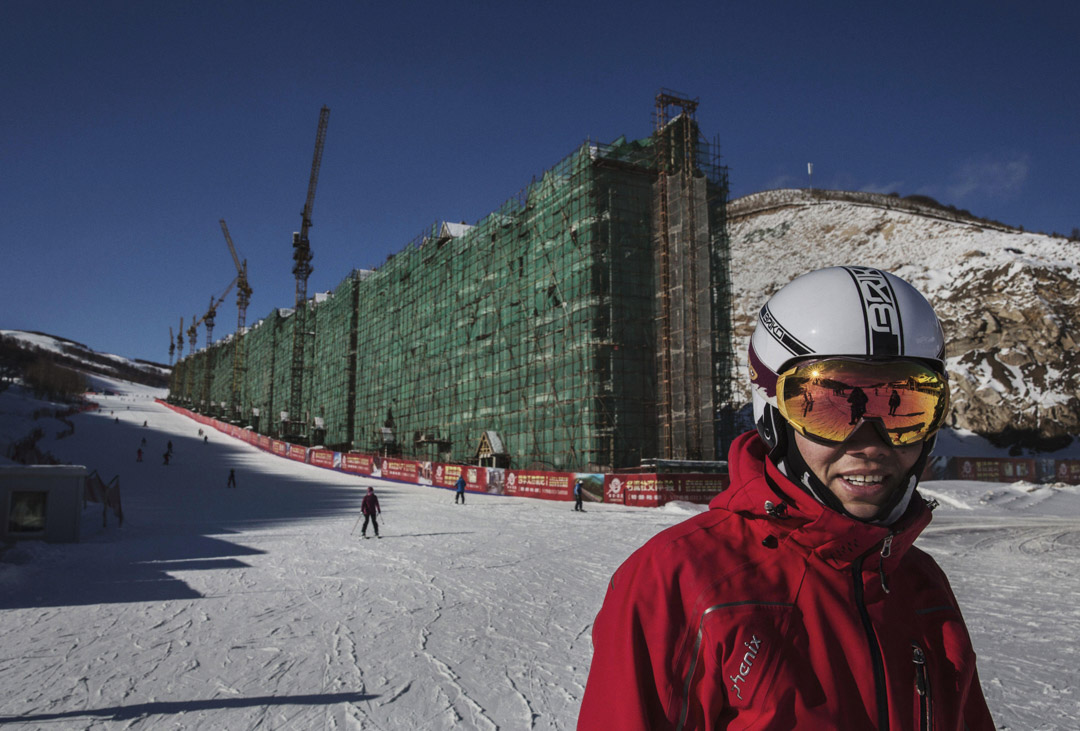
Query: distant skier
[[166, 457], [894, 402], [858, 400], [370, 508], [578, 497], [169, 447], [138, 455], [459, 490], [231, 482]]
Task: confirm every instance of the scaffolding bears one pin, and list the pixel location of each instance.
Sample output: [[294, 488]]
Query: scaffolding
[[585, 324], [693, 282]]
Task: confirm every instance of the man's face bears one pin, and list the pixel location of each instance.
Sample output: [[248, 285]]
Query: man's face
[[862, 472]]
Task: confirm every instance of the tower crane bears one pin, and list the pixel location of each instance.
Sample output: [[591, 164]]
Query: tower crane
[[296, 426], [179, 340], [208, 320], [192, 332], [243, 298], [172, 346], [211, 312]]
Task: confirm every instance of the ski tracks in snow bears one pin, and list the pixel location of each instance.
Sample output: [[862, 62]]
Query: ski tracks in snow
[[255, 608], [1015, 578]]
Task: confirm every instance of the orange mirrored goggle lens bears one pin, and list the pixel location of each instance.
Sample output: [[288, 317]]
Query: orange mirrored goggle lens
[[829, 399]]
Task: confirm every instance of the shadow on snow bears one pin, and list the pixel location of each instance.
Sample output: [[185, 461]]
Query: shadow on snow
[[160, 708]]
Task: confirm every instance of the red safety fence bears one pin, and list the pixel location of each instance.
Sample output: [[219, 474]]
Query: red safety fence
[[638, 489]]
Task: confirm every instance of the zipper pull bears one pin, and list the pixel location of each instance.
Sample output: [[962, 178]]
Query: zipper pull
[[920, 669], [886, 551], [776, 511]]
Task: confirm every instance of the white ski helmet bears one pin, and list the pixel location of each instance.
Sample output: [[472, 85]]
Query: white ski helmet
[[852, 311], [845, 311]]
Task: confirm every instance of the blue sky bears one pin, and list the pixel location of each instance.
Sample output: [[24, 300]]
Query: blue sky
[[128, 129]]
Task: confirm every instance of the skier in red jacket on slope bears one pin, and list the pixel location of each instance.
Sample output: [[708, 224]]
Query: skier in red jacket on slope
[[798, 600], [370, 509]]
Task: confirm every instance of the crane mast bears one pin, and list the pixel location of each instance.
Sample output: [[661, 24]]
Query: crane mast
[[208, 320], [296, 427], [243, 299], [193, 334]]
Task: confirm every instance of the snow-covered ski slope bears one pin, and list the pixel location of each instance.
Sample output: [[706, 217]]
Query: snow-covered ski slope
[[258, 607]]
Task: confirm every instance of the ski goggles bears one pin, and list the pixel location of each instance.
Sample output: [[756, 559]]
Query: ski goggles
[[829, 399]]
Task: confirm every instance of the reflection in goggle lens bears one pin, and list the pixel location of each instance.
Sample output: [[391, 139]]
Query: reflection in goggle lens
[[828, 399]]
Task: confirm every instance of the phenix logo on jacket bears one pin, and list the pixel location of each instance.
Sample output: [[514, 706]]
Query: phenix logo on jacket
[[749, 616], [745, 666]]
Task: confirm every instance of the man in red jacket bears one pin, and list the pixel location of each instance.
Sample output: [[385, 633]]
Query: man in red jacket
[[369, 507], [798, 600]]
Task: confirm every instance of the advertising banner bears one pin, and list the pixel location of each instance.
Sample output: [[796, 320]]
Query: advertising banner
[[446, 475], [281, 449], [653, 490], [592, 484], [400, 469], [322, 458], [361, 464], [1068, 471], [638, 490], [544, 485], [993, 469], [298, 453], [263, 442]]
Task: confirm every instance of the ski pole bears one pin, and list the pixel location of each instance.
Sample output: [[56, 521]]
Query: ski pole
[[356, 523]]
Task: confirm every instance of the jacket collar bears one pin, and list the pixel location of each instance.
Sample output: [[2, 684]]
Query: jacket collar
[[836, 539]]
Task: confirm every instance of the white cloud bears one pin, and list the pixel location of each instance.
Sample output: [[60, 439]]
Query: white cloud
[[897, 186], [1002, 178]]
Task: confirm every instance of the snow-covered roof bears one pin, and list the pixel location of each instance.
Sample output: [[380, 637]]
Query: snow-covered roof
[[454, 230]]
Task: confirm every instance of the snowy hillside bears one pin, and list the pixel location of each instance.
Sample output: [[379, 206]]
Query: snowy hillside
[[260, 607], [76, 355], [1009, 301]]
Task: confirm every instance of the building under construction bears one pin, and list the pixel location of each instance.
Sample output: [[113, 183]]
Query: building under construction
[[584, 325]]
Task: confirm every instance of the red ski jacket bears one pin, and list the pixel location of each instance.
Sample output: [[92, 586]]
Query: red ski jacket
[[771, 611], [369, 505]]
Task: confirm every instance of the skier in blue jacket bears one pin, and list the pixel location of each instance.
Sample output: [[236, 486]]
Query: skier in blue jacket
[[459, 488]]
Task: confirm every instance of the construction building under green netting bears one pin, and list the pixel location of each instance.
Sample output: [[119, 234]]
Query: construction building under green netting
[[584, 325]]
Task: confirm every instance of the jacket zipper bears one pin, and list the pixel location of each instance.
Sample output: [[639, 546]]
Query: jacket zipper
[[922, 687], [886, 551], [875, 649]]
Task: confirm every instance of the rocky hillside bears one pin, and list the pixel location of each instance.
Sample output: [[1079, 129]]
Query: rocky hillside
[[1009, 300]]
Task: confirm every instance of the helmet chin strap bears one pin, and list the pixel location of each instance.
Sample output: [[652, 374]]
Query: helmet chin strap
[[786, 456]]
